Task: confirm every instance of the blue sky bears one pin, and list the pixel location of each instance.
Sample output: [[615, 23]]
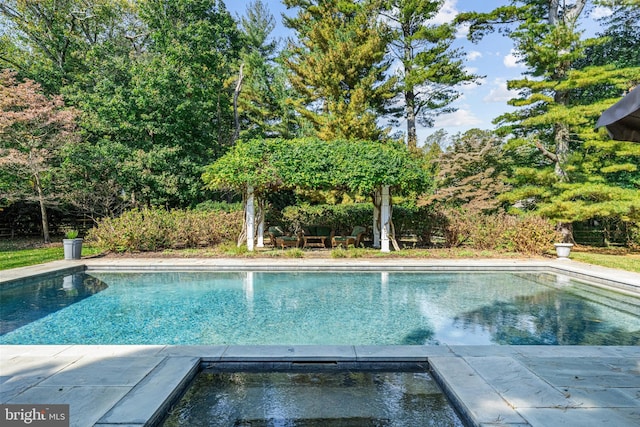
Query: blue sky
[[492, 57]]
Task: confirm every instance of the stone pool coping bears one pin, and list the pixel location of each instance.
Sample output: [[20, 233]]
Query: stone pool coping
[[621, 280], [489, 385]]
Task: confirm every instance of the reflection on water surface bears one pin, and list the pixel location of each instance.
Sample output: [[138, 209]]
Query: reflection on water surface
[[313, 400], [325, 308]]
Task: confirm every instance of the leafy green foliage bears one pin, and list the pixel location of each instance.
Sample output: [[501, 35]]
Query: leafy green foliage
[[151, 80], [359, 166], [52, 40], [557, 167], [341, 218], [263, 102]]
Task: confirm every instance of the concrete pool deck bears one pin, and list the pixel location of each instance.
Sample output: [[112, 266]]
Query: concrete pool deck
[[489, 385]]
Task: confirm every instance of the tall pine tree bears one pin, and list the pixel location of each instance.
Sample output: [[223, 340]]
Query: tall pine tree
[[430, 67], [553, 124], [337, 65], [262, 89]]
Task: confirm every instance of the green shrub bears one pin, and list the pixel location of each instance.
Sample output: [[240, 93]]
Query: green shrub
[[339, 252], [294, 253], [157, 229], [71, 234], [210, 205], [232, 249], [342, 218]]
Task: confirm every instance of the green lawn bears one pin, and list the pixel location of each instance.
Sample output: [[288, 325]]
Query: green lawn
[[629, 262], [24, 257], [24, 253]]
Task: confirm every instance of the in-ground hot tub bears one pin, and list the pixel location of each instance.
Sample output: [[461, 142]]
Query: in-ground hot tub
[[313, 396]]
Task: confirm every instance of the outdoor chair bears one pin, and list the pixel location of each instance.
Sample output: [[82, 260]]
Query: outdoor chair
[[355, 238], [278, 238]]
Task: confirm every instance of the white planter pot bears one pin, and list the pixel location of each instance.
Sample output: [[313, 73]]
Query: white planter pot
[[563, 250], [72, 248]]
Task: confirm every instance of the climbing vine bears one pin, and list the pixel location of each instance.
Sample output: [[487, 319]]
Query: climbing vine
[[311, 163]]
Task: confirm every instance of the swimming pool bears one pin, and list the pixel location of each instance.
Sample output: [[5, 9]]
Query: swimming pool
[[330, 308]]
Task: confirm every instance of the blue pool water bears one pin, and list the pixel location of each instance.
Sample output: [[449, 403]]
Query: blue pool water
[[316, 308]]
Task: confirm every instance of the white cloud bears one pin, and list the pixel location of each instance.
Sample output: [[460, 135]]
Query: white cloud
[[469, 86], [446, 14], [499, 92], [460, 118], [473, 55], [511, 60], [463, 30], [600, 12]]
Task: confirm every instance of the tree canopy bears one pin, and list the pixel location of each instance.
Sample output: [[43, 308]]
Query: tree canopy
[[430, 67], [361, 166], [337, 65], [163, 91], [560, 98], [33, 130]]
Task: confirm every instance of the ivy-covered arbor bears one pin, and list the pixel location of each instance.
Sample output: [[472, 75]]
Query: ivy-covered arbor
[[258, 167]]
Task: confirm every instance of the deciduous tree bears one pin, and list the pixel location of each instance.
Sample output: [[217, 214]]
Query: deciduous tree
[[51, 40], [472, 173], [33, 129]]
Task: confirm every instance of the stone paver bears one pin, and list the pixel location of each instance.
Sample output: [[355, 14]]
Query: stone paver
[[21, 373], [409, 353], [86, 403], [308, 353], [145, 401], [517, 384], [582, 417], [511, 387], [477, 400]]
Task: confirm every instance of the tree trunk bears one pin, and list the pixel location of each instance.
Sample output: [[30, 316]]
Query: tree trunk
[[562, 150], [561, 136], [43, 210], [412, 135], [376, 198], [242, 237], [236, 94]]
